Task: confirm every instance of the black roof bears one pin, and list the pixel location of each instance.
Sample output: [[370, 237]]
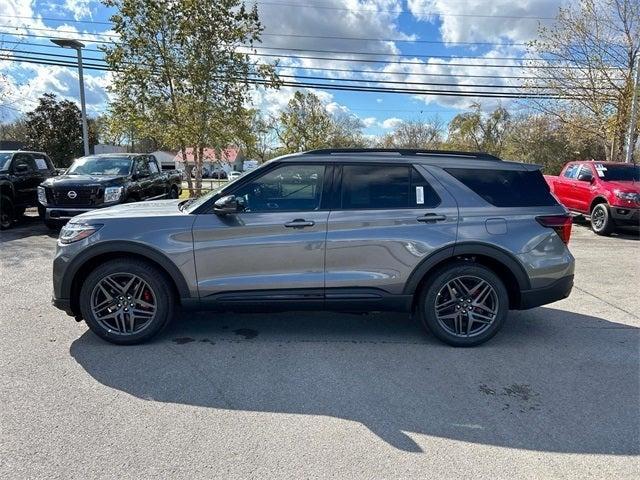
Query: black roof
[[403, 152]]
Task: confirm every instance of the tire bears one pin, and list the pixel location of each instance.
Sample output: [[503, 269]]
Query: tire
[[436, 292], [173, 193], [18, 213], [7, 215], [601, 221], [154, 289]]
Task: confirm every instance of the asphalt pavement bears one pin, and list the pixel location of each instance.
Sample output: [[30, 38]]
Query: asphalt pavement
[[556, 394]]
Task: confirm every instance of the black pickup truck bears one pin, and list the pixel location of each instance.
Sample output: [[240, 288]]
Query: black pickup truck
[[104, 180], [20, 174]]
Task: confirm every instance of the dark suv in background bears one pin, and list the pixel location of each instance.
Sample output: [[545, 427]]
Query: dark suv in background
[[457, 238], [104, 180], [20, 174]]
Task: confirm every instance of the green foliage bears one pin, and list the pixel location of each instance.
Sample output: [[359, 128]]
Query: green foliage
[[474, 130], [55, 127], [414, 134], [306, 125], [182, 69]]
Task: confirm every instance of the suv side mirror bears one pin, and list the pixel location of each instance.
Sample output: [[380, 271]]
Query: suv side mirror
[[585, 177], [21, 169], [226, 205]]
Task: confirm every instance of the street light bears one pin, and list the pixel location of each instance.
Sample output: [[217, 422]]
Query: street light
[[78, 46]]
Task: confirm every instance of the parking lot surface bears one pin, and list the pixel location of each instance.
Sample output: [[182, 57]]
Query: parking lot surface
[[320, 395]]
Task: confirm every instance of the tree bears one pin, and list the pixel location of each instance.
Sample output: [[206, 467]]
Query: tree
[[306, 125], [415, 134], [475, 130], [15, 131], [183, 70], [55, 127], [592, 49]]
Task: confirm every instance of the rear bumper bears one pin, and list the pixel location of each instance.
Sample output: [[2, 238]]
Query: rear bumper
[[625, 215], [541, 296]]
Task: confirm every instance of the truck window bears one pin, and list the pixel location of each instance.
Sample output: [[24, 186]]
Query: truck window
[[41, 162], [24, 159], [153, 166], [571, 171]]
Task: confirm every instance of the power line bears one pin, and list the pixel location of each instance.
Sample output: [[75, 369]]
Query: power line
[[342, 87], [351, 70], [356, 80], [400, 10], [295, 35]]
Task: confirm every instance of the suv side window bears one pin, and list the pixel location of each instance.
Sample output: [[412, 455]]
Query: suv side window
[[289, 187], [385, 187], [23, 159], [42, 162]]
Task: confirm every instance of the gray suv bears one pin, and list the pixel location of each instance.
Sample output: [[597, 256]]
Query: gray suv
[[455, 238]]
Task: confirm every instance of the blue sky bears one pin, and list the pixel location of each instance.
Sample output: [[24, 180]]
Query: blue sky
[[386, 30]]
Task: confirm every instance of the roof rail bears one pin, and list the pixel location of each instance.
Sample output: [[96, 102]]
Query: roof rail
[[405, 151]]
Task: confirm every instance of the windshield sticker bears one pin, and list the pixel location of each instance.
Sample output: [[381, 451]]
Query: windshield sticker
[[420, 195], [42, 165]]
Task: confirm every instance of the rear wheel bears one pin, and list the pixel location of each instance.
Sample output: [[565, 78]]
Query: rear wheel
[[601, 221], [464, 305], [126, 301], [7, 215]]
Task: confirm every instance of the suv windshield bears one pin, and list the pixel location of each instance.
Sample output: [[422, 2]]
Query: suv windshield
[[5, 161], [101, 166], [617, 173]]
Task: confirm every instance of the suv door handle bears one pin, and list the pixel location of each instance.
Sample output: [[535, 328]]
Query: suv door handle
[[299, 223], [431, 217]]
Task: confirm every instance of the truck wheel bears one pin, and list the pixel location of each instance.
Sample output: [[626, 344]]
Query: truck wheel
[[173, 193], [7, 215], [601, 221], [464, 305], [126, 301]]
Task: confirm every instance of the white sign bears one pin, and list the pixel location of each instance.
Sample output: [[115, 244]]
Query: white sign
[[420, 195], [42, 164]]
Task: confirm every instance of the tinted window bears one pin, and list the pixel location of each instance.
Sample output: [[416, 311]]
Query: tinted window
[[100, 166], [23, 159], [618, 173], [385, 186], [506, 188], [142, 167], [5, 160], [290, 187], [572, 171]]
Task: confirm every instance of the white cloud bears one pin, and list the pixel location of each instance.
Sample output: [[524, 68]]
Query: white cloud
[[369, 122], [391, 123], [79, 8], [480, 20]]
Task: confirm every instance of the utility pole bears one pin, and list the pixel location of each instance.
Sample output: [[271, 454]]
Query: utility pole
[[78, 46], [634, 114]]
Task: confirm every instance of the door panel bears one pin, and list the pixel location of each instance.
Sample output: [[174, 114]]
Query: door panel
[[257, 251], [379, 248], [26, 184], [582, 191], [276, 243]]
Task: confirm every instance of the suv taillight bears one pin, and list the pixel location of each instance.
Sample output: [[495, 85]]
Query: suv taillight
[[560, 223]]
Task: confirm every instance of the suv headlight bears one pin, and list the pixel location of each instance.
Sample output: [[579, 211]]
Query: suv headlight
[[74, 232], [42, 195], [631, 196], [112, 194]]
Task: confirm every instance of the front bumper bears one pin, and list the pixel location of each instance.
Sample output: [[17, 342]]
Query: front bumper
[[558, 290], [625, 215]]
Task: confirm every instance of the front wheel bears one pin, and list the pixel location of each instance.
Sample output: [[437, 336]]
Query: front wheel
[[126, 301], [7, 215], [464, 305], [601, 221]]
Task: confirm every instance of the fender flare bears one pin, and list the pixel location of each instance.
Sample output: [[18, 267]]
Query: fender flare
[[6, 184], [124, 247], [468, 248]]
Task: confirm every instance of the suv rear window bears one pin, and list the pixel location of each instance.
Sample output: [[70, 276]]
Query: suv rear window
[[506, 188]]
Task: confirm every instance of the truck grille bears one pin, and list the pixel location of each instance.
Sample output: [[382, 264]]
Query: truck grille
[[83, 196]]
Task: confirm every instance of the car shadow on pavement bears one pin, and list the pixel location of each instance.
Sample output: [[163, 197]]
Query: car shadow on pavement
[[27, 226], [550, 381]]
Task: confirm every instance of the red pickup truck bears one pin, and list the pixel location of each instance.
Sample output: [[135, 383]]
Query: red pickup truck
[[607, 193]]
